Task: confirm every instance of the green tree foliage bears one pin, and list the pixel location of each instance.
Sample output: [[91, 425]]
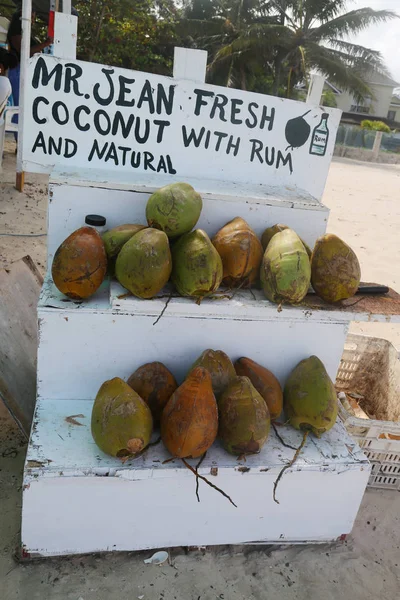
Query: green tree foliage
[[285, 39], [375, 126], [267, 46], [329, 98], [132, 34]]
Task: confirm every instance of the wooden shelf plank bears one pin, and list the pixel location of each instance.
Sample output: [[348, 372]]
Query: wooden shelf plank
[[70, 488], [244, 304], [60, 445]]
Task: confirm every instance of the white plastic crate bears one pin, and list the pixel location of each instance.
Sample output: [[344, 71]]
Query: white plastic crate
[[370, 367]]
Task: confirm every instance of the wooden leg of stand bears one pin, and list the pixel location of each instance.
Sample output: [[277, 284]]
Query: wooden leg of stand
[[20, 181]]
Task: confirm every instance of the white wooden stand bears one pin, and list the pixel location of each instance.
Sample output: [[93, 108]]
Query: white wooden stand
[[69, 485], [75, 498]]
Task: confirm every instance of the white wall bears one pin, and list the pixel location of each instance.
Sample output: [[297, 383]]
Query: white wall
[[381, 102], [379, 105], [344, 101], [396, 107]]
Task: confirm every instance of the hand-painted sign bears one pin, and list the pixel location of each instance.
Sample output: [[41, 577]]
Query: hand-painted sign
[[81, 114]]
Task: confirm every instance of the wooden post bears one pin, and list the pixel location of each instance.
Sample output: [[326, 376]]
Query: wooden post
[[65, 35], [346, 134], [24, 58], [66, 5], [377, 145], [190, 64], [315, 89]]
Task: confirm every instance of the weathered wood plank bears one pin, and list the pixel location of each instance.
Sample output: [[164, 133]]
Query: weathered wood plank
[[19, 292]]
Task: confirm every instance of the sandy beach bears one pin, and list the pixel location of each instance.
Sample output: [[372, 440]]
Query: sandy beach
[[365, 211]]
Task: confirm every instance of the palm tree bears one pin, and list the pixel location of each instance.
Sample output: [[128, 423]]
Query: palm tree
[[220, 26], [286, 39]]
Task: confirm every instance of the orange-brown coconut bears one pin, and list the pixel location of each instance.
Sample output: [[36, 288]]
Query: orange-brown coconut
[[241, 253], [80, 264], [265, 383], [155, 384], [189, 423]]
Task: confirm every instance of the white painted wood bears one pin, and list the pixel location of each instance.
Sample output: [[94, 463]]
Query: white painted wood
[[79, 349], [23, 82], [66, 7], [59, 445], [291, 167], [315, 89], [216, 188], [246, 305], [190, 64], [70, 487], [70, 204], [65, 35]]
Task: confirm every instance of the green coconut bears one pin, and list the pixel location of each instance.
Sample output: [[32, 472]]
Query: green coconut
[[309, 397], [116, 237], [220, 367], [174, 209], [271, 231], [144, 263], [197, 266], [285, 271], [121, 420], [244, 420], [335, 270]]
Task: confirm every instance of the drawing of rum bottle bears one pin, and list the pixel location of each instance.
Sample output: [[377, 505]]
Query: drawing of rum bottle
[[320, 135]]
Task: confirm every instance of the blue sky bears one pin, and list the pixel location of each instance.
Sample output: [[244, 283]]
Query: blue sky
[[384, 37]]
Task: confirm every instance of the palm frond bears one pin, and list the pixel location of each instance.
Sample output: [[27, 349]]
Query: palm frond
[[285, 11], [350, 23], [371, 59], [322, 10], [271, 33], [331, 63], [198, 27], [257, 40]]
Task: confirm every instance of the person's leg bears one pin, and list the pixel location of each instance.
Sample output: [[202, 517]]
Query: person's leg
[[13, 75]]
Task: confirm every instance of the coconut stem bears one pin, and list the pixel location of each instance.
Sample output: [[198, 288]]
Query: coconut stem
[[295, 457], [197, 475], [207, 482], [281, 439], [163, 310], [239, 287]]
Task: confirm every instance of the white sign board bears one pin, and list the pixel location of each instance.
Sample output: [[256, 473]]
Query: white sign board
[[81, 115]]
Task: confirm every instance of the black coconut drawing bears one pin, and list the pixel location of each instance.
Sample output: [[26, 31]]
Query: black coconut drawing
[[297, 131]]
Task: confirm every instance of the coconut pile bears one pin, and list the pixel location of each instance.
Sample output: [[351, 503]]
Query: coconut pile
[[234, 402]]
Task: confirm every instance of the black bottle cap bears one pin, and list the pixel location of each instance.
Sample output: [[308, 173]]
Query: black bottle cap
[[325, 115], [95, 220]]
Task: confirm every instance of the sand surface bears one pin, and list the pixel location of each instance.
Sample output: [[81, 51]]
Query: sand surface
[[365, 204], [364, 199]]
